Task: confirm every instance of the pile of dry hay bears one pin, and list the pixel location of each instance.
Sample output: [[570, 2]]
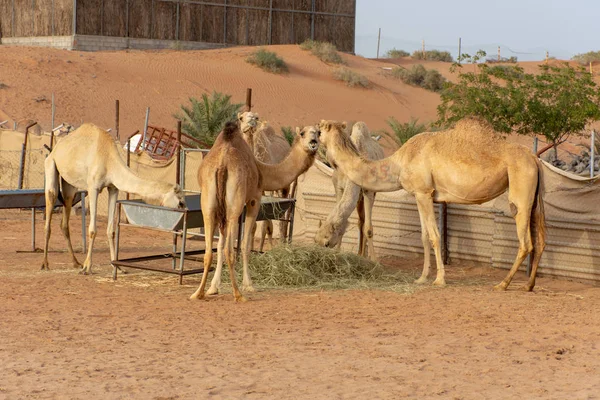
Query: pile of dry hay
[[290, 266]]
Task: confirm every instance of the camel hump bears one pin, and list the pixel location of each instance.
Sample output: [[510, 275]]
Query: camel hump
[[229, 130]]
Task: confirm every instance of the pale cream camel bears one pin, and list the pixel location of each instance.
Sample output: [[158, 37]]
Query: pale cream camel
[[350, 196], [269, 148], [88, 159], [469, 164], [230, 177]]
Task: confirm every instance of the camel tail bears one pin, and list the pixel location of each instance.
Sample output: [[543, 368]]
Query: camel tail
[[221, 212], [229, 130], [538, 224]]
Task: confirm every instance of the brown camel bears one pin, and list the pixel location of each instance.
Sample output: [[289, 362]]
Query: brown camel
[[469, 164], [350, 196], [230, 177], [269, 148], [89, 159]]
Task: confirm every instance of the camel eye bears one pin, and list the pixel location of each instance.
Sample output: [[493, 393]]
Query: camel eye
[[302, 134]]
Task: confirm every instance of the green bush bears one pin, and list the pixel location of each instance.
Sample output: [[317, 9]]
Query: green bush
[[207, 117], [433, 55], [324, 51], [351, 78], [394, 53], [402, 131], [418, 75], [586, 58], [268, 61], [288, 134]]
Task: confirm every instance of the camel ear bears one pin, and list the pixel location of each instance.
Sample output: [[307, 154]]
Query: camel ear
[[298, 130], [240, 116], [344, 125]]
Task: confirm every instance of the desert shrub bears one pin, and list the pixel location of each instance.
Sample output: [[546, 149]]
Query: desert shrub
[[206, 117], [268, 61], [433, 55], [325, 51], [402, 131], [512, 60], [288, 134], [351, 78], [394, 53], [3, 85], [418, 75], [586, 58]]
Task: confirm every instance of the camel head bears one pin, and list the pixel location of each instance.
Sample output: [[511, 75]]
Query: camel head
[[309, 138], [173, 198], [330, 233], [248, 123], [330, 128]]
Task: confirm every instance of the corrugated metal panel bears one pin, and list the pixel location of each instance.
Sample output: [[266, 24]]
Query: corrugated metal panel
[[469, 233]]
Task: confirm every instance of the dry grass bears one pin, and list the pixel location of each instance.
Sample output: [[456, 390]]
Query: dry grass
[[324, 51], [351, 78], [268, 61]]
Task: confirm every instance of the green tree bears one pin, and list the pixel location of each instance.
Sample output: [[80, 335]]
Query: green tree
[[402, 131], [206, 117], [557, 102]]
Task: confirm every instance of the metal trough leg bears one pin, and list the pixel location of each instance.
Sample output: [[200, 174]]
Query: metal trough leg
[[33, 230], [183, 240], [117, 241]]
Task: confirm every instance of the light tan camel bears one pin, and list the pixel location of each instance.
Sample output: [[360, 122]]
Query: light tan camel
[[89, 159], [230, 177], [469, 164], [350, 196], [269, 148]]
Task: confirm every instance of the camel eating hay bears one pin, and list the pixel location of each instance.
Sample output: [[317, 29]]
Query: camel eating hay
[[88, 158], [231, 178], [350, 196], [469, 164]]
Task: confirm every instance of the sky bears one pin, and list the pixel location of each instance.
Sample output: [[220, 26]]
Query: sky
[[522, 28]]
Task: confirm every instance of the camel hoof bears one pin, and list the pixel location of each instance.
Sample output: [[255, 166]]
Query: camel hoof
[[85, 271], [212, 291], [526, 288], [45, 267], [241, 299], [77, 265], [421, 280], [439, 282], [196, 296], [500, 287], [248, 289]]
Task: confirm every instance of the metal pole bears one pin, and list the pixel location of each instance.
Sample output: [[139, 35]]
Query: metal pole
[[183, 240], [459, 49], [117, 241], [592, 153], [225, 22], [249, 99], [270, 41], [52, 21], [74, 17], [32, 17], [178, 166], [312, 21], [23, 155], [13, 18], [53, 114], [378, 42], [443, 227], [117, 119], [535, 145], [145, 128], [177, 24], [33, 229]]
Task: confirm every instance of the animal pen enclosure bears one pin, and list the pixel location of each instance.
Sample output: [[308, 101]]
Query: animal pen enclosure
[[114, 24]]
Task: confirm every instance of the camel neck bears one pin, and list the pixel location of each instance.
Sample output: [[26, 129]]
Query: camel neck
[[281, 175], [126, 180], [375, 175]]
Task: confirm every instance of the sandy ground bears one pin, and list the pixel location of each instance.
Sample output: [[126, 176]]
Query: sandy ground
[[68, 336]]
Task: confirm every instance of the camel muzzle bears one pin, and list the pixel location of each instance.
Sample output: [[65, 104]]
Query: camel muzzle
[[313, 145]]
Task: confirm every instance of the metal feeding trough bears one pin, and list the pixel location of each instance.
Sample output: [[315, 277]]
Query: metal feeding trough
[[178, 222], [36, 198]]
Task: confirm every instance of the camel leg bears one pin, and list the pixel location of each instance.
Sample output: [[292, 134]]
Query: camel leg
[[368, 226], [426, 251], [230, 254], [525, 246], [93, 196], [266, 231], [251, 214], [51, 191], [113, 194], [360, 210], [538, 249], [68, 193], [427, 215], [215, 284], [209, 232]]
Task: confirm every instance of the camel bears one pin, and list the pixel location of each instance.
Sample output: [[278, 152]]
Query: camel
[[469, 164], [230, 178], [89, 159], [350, 196], [269, 148]]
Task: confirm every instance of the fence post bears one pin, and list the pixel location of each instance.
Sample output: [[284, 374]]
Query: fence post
[[459, 49], [249, 99], [178, 166], [74, 18], [378, 42], [117, 120], [145, 128], [592, 153], [32, 17], [12, 21], [443, 228], [177, 24], [52, 20], [270, 41], [312, 21], [225, 22]]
